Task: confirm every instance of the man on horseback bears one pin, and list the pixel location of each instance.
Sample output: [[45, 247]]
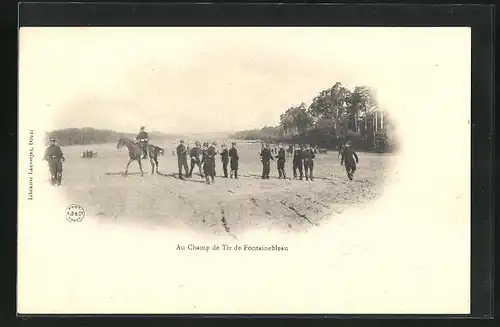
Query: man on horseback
[[348, 156], [143, 139], [54, 156]]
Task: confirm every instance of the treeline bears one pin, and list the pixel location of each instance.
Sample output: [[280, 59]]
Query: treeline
[[89, 135], [334, 116]]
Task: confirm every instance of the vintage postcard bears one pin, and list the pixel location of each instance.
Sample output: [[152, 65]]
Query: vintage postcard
[[244, 170]]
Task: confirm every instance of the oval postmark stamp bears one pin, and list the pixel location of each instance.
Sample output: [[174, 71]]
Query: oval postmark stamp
[[74, 213]]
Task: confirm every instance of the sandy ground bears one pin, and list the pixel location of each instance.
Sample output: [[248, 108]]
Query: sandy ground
[[227, 206], [385, 242]]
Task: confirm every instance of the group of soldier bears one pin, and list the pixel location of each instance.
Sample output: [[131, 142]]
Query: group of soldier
[[302, 162], [204, 155]]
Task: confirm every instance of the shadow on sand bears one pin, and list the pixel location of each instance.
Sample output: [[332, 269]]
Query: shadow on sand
[[122, 173], [174, 175]]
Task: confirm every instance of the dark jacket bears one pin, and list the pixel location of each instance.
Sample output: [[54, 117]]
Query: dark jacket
[[297, 155], [195, 153], [53, 150], [308, 154], [281, 154], [224, 155], [348, 155], [266, 155], [209, 154], [142, 135], [181, 151], [233, 154]]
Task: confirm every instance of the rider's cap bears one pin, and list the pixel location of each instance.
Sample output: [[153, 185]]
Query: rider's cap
[[181, 141]]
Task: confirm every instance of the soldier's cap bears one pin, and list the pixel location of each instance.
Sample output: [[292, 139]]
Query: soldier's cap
[[214, 143], [197, 143], [233, 143], [142, 127], [52, 139], [181, 141]]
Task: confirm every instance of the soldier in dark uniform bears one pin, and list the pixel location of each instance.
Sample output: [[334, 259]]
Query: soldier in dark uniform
[[143, 139], [233, 155], [195, 153], [208, 160], [182, 159], [54, 156], [266, 156], [348, 156], [309, 155], [281, 162], [297, 162], [214, 146], [225, 159]]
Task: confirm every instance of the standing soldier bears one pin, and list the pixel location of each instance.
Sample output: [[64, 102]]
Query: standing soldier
[[225, 159], [233, 154], [297, 161], [194, 153], [214, 146], [182, 159], [143, 139], [208, 161], [54, 156], [281, 161], [348, 156], [266, 156], [309, 155]]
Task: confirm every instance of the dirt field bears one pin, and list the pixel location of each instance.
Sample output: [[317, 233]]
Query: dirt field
[[227, 206]]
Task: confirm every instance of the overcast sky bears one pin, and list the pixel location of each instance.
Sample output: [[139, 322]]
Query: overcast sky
[[224, 79]]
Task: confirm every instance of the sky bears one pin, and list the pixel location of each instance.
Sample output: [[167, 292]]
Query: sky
[[177, 80]]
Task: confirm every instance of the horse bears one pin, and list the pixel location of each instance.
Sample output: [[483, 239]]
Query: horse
[[135, 153]]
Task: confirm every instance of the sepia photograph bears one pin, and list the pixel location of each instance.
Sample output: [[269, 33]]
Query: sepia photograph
[[244, 170]]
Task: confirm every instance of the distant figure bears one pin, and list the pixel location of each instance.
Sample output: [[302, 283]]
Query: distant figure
[[54, 156], [233, 155], [195, 153], [309, 155], [208, 161], [281, 162], [182, 159], [143, 139], [297, 162], [290, 150], [266, 156], [173, 153], [348, 156], [225, 159]]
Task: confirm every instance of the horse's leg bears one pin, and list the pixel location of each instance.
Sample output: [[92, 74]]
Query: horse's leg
[[156, 162], [152, 165], [140, 166], [128, 164]]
